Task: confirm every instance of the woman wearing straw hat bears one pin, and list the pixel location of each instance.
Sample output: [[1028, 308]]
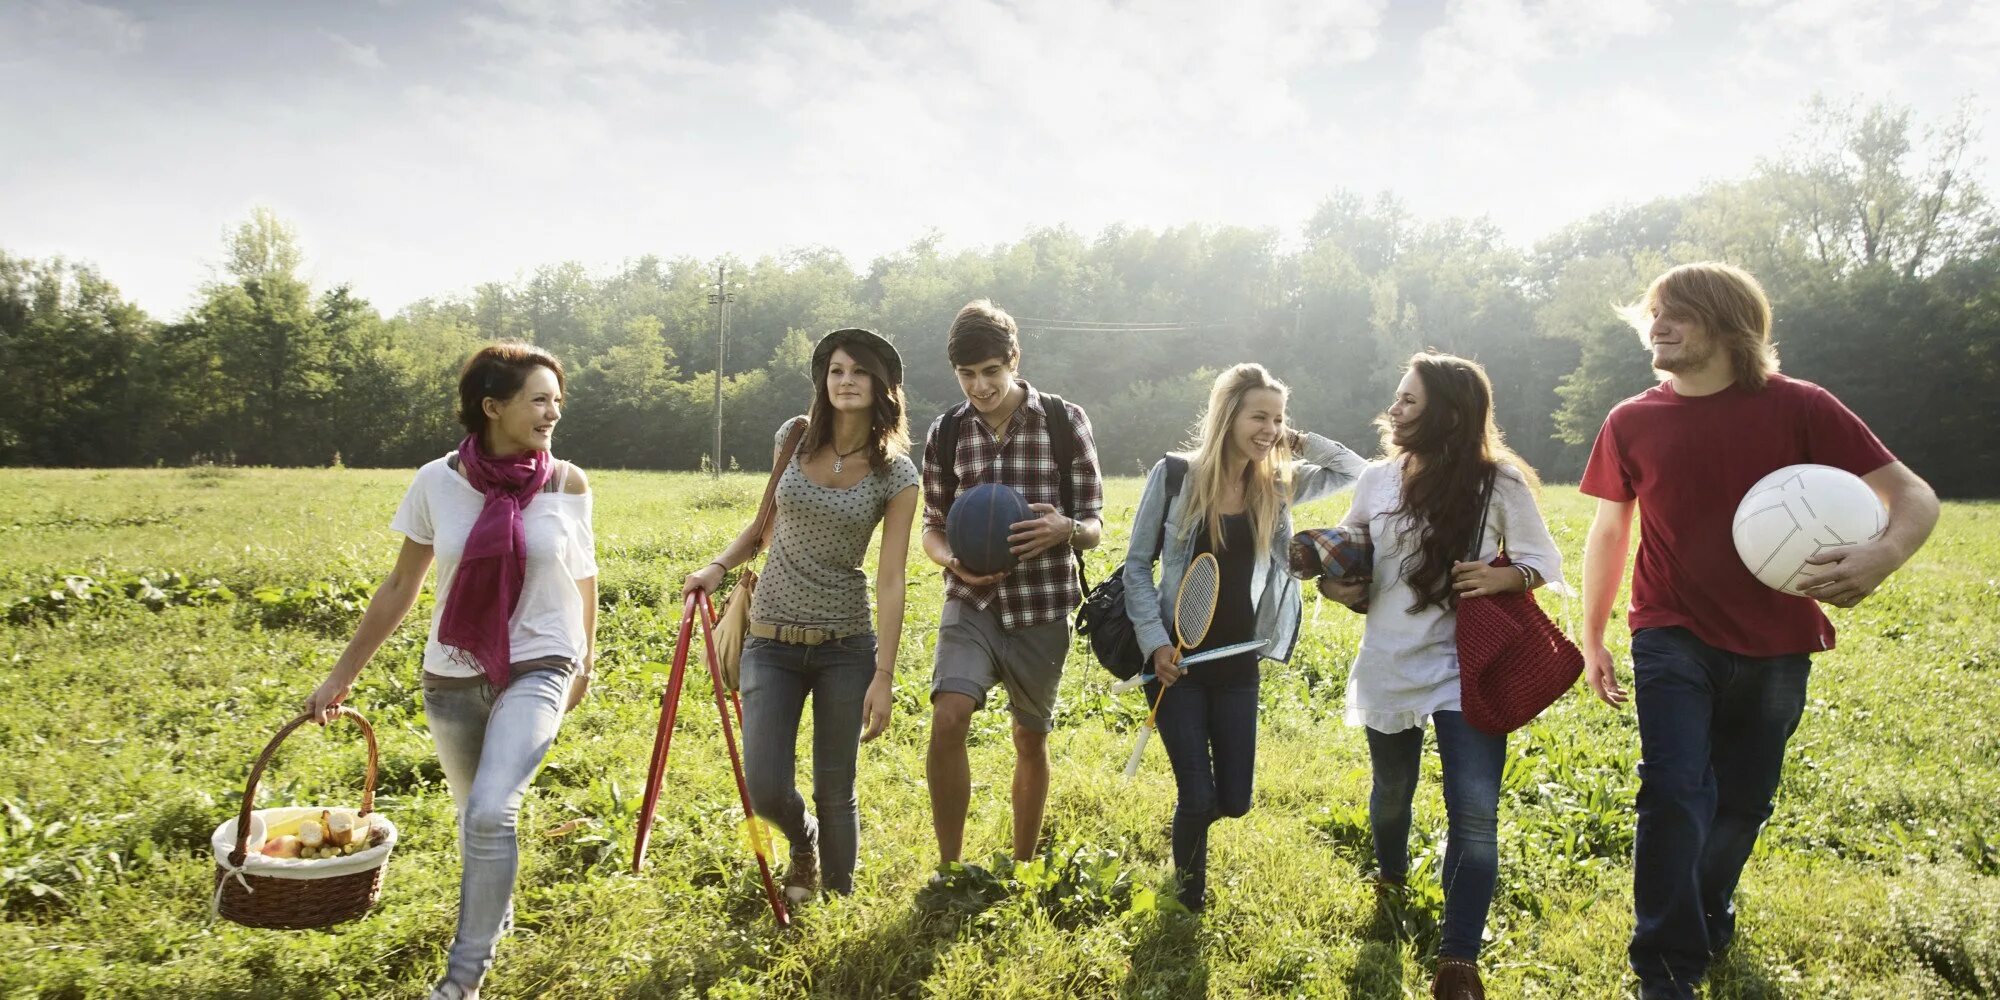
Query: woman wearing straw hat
[[513, 637], [1422, 509], [810, 633]]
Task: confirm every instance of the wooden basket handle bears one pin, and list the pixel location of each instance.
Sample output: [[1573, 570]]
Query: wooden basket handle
[[257, 771]]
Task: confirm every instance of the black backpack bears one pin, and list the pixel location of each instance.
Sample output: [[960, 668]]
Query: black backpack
[[1062, 450], [1103, 619]]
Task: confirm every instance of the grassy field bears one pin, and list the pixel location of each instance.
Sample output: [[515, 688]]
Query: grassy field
[[130, 712]]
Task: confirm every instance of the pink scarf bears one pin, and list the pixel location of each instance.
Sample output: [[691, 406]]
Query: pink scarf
[[488, 584]]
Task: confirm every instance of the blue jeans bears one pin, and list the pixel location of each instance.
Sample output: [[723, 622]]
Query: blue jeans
[[1473, 762], [490, 744], [1210, 732], [1712, 732], [777, 677]]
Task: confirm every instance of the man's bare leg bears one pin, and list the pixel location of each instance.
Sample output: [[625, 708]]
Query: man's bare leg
[[1031, 788], [949, 773]]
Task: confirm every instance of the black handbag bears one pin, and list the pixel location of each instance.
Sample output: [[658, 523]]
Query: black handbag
[[1103, 619]]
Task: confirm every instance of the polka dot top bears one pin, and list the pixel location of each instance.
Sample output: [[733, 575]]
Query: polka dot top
[[813, 573]]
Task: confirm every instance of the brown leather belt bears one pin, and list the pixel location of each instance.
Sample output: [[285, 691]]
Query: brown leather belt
[[803, 635]]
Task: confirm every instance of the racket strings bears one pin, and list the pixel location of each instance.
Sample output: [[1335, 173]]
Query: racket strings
[[1194, 608]]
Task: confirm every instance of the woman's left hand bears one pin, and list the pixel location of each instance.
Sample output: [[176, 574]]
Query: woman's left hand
[[876, 706], [579, 682], [1478, 579]]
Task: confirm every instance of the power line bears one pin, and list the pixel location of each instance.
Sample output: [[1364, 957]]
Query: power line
[[1040, 325]]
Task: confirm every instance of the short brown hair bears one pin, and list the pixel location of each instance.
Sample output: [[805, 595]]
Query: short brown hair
[[981, 331], [1728, 302], [497, 371]]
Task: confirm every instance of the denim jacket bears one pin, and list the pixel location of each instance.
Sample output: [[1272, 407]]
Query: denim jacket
[[1327, 467]]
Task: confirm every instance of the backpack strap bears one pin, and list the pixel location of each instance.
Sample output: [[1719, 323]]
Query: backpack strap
[[1062, 450], [1062, 446], [1177, 469], [947, 451]]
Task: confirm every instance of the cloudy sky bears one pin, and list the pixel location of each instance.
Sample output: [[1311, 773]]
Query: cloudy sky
[[422, 147]]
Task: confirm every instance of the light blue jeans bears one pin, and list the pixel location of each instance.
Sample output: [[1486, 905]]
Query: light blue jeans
[[777, 678], [490, 743]]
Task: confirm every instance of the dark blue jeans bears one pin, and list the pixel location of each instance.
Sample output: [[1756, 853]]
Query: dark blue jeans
[[1712, 732], [1473, 762], [1210, 732], [777, 677]]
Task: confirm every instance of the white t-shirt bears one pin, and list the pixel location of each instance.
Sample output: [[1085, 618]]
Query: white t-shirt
[[439, 511]]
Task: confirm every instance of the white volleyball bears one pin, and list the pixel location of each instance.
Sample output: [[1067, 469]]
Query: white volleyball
[[1798, 512]]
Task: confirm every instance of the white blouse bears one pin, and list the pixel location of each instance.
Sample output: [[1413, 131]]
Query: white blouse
[[1407, 668], [439, 511]]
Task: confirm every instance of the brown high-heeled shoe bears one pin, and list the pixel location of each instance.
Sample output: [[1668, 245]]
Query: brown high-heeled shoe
[[1457, 979]]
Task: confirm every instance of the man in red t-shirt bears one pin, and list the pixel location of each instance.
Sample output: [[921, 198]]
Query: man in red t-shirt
[[1719, 660]]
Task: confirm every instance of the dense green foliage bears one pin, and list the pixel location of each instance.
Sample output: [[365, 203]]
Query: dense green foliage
[[159, 625], [1883, 260]]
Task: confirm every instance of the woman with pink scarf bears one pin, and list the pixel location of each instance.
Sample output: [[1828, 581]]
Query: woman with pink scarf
[[513, 637]]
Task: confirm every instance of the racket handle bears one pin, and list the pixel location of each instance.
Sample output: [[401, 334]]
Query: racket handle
[[1155, 713], [1138, 752], [1130, 682]]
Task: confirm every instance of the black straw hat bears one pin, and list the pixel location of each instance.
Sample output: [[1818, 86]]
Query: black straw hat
[[823, 353]]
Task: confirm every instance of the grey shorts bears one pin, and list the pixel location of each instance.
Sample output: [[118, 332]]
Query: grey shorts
[[974, 653]]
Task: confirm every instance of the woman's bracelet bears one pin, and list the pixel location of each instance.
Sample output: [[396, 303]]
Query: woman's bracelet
[[717, 562], [1527, 577]]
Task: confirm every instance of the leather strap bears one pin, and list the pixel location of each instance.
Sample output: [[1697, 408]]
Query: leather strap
[[1485, 502], [802, 635], [767, 511]]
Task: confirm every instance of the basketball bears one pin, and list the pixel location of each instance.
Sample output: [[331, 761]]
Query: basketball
[[1798, 512], [978, 524]]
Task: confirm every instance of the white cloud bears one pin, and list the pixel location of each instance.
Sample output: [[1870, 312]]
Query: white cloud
[[365, 56], [599, 41], [1105, 102], [74, 23], [530, 131], [1476, 58]]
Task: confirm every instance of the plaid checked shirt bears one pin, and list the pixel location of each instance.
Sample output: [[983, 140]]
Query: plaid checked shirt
[[1043, 589]]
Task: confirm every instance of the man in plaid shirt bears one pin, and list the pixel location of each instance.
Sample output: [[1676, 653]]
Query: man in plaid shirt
[[1012, 627]]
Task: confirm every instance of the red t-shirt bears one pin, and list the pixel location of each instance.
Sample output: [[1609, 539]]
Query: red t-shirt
[[1688, 460]]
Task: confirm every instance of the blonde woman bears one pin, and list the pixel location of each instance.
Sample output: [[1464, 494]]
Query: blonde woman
[[1235, 502]]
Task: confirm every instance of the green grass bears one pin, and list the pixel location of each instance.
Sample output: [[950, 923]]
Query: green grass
[[130, 712]]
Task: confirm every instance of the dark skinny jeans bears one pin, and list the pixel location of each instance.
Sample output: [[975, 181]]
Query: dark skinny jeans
[[1208, 723]]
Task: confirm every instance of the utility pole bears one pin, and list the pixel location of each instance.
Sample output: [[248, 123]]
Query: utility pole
[[720, 298]]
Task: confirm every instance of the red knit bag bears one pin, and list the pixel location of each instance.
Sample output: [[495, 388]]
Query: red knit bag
[[1513, 662]]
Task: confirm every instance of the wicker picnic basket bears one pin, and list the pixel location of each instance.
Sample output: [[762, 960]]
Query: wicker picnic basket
[[290, 893]]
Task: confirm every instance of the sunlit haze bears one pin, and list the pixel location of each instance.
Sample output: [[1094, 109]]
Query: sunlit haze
[[420, 148]]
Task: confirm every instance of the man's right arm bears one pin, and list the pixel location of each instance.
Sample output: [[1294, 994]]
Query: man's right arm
[[1604, 551]]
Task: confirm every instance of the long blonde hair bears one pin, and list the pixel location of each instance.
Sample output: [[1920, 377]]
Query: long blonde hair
[[1267, 483]]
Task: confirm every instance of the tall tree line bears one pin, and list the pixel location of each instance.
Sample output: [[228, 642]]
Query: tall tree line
[[1881, 255]]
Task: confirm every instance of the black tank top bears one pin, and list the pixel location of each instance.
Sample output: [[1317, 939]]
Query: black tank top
[[1235, 613]]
